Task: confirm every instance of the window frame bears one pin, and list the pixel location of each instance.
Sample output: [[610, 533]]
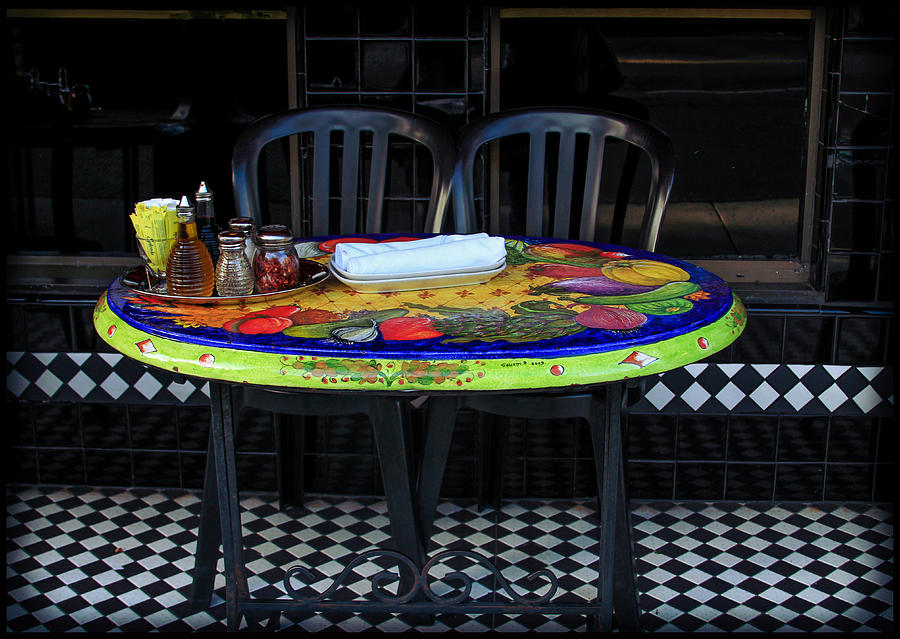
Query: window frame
[[757, 279]]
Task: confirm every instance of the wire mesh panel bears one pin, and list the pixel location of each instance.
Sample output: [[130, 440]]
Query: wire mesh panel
[[423, 60]]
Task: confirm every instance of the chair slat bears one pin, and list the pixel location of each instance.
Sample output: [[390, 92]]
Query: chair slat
[[349, 180], [321, 171], [377, 178], [562, 209], [320, 123], [588, 228], [534, 207]]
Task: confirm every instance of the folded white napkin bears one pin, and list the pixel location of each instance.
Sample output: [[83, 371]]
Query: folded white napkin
[[439, 253]]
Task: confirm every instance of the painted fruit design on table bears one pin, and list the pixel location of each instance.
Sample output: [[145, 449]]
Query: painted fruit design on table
[[591, 288]]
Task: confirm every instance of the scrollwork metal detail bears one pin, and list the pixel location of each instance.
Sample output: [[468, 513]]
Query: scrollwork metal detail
[[418, 580], [378, 579]]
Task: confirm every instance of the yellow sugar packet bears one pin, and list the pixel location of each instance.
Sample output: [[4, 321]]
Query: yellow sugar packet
[[155, 226]]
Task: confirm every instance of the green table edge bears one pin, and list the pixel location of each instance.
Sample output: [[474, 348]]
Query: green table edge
[[367, 374]]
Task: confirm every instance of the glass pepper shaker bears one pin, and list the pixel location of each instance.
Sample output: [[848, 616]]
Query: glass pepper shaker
[[246, 226], [276, 266], [233, 273]]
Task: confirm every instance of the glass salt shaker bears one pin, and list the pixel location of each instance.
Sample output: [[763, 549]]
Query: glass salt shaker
[[246, 226], [234, 276], [276, 266]]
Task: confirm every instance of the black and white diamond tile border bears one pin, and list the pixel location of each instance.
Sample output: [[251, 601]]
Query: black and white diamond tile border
[[704, 388], [804, 389], [121, 560], [96, 377]]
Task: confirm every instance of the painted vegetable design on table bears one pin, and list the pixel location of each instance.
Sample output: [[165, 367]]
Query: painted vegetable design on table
[[641, 286], [593, 289]]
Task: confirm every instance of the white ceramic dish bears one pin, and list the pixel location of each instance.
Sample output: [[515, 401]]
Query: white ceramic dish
[[356, 277], [396, 284]]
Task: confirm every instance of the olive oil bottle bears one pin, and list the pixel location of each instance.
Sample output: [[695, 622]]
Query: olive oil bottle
[[190, 271]]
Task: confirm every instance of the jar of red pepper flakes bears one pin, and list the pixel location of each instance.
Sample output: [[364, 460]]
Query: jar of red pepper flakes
[[276, 266]]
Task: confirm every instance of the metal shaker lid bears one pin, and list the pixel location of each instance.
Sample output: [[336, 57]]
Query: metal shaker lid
[[231, 238], [274, 235], [184, 209]]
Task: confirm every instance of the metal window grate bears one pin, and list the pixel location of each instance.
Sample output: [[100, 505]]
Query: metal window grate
[[412, 63]]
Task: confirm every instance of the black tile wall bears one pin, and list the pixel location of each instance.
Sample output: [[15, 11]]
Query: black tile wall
[[652, 436], [545, 478], [14, 336], [60, 466], [852, 440], [192, 423], [749, 481], [48, 329], [845, 481], [56, 425], [256, 431], [651, 481], [695, 479], [802, 439], [192, 467], [761, 340], [22, 431], [701, 437], [799, 482], [155, 468], [863, 340], [752, 439], [885, 484], [108, 468], [255, 471], [459, 478], [22, 466], [106, 425]]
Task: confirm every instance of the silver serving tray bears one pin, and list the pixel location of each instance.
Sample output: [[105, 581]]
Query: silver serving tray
[[136, 281]]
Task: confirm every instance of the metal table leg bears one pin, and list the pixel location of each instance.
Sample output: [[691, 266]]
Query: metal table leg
[[441, 422], [220, 511], [393, 455], [222, 432], [618, 591], [209, 535]]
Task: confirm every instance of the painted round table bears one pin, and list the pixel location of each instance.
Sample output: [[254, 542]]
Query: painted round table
[[563, 316]]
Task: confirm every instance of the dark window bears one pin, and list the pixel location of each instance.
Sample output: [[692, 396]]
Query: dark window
[[730, 93]]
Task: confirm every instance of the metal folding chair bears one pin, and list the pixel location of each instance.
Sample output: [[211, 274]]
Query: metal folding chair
[[366, 136], [603, 408]]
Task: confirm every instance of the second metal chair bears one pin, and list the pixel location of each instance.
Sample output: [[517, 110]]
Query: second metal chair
[[602, 408]]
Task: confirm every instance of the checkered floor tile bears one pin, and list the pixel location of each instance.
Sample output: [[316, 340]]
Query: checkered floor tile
[[105, 559]]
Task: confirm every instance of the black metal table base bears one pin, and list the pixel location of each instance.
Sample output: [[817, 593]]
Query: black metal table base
[[411, 514], [603, 410]]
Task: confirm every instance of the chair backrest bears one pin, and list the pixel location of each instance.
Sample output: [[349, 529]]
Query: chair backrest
[[352, 121], [567, 123]]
